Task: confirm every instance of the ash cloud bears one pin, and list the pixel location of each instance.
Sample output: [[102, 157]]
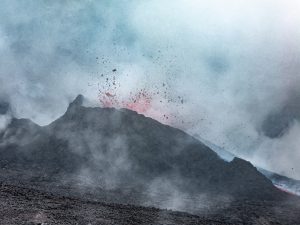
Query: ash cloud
[[4, 107], [278, 123], [235, 65]]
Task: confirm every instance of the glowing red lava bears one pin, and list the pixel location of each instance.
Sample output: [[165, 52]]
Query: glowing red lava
[[284, 190], [144, 101], [140, 105], [140, 102]]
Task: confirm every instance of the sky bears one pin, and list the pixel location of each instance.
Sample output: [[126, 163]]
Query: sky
[[227, 71]]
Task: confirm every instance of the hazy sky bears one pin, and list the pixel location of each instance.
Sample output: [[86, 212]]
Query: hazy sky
[[225, 70]]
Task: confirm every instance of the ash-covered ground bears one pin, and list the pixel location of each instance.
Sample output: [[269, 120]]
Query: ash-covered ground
[[41, 202], [23, 205]]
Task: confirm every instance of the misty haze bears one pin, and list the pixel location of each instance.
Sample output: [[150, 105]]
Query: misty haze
[[150, 112]]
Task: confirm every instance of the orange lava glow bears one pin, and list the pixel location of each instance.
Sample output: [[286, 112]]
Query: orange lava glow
[[153, 102], [141, 105], [140, 102]]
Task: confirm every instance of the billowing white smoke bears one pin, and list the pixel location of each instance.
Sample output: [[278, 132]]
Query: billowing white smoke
[[4, 121]]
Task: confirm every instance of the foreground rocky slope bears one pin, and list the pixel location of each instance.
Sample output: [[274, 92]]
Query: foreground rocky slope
[[29, 206]]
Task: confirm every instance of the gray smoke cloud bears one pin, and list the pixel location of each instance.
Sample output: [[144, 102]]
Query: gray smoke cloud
[[235, 66]]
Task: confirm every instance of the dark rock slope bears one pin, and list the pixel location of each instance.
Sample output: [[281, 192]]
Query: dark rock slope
[[27, 206], [122, 149]]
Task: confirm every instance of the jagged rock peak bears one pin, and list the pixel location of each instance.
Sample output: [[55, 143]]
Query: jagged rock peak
[[78, 101]]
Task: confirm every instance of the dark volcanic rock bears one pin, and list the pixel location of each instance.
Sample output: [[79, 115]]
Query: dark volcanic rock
[[287, 184], [31, 207], [25, 205], [120, 148]]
